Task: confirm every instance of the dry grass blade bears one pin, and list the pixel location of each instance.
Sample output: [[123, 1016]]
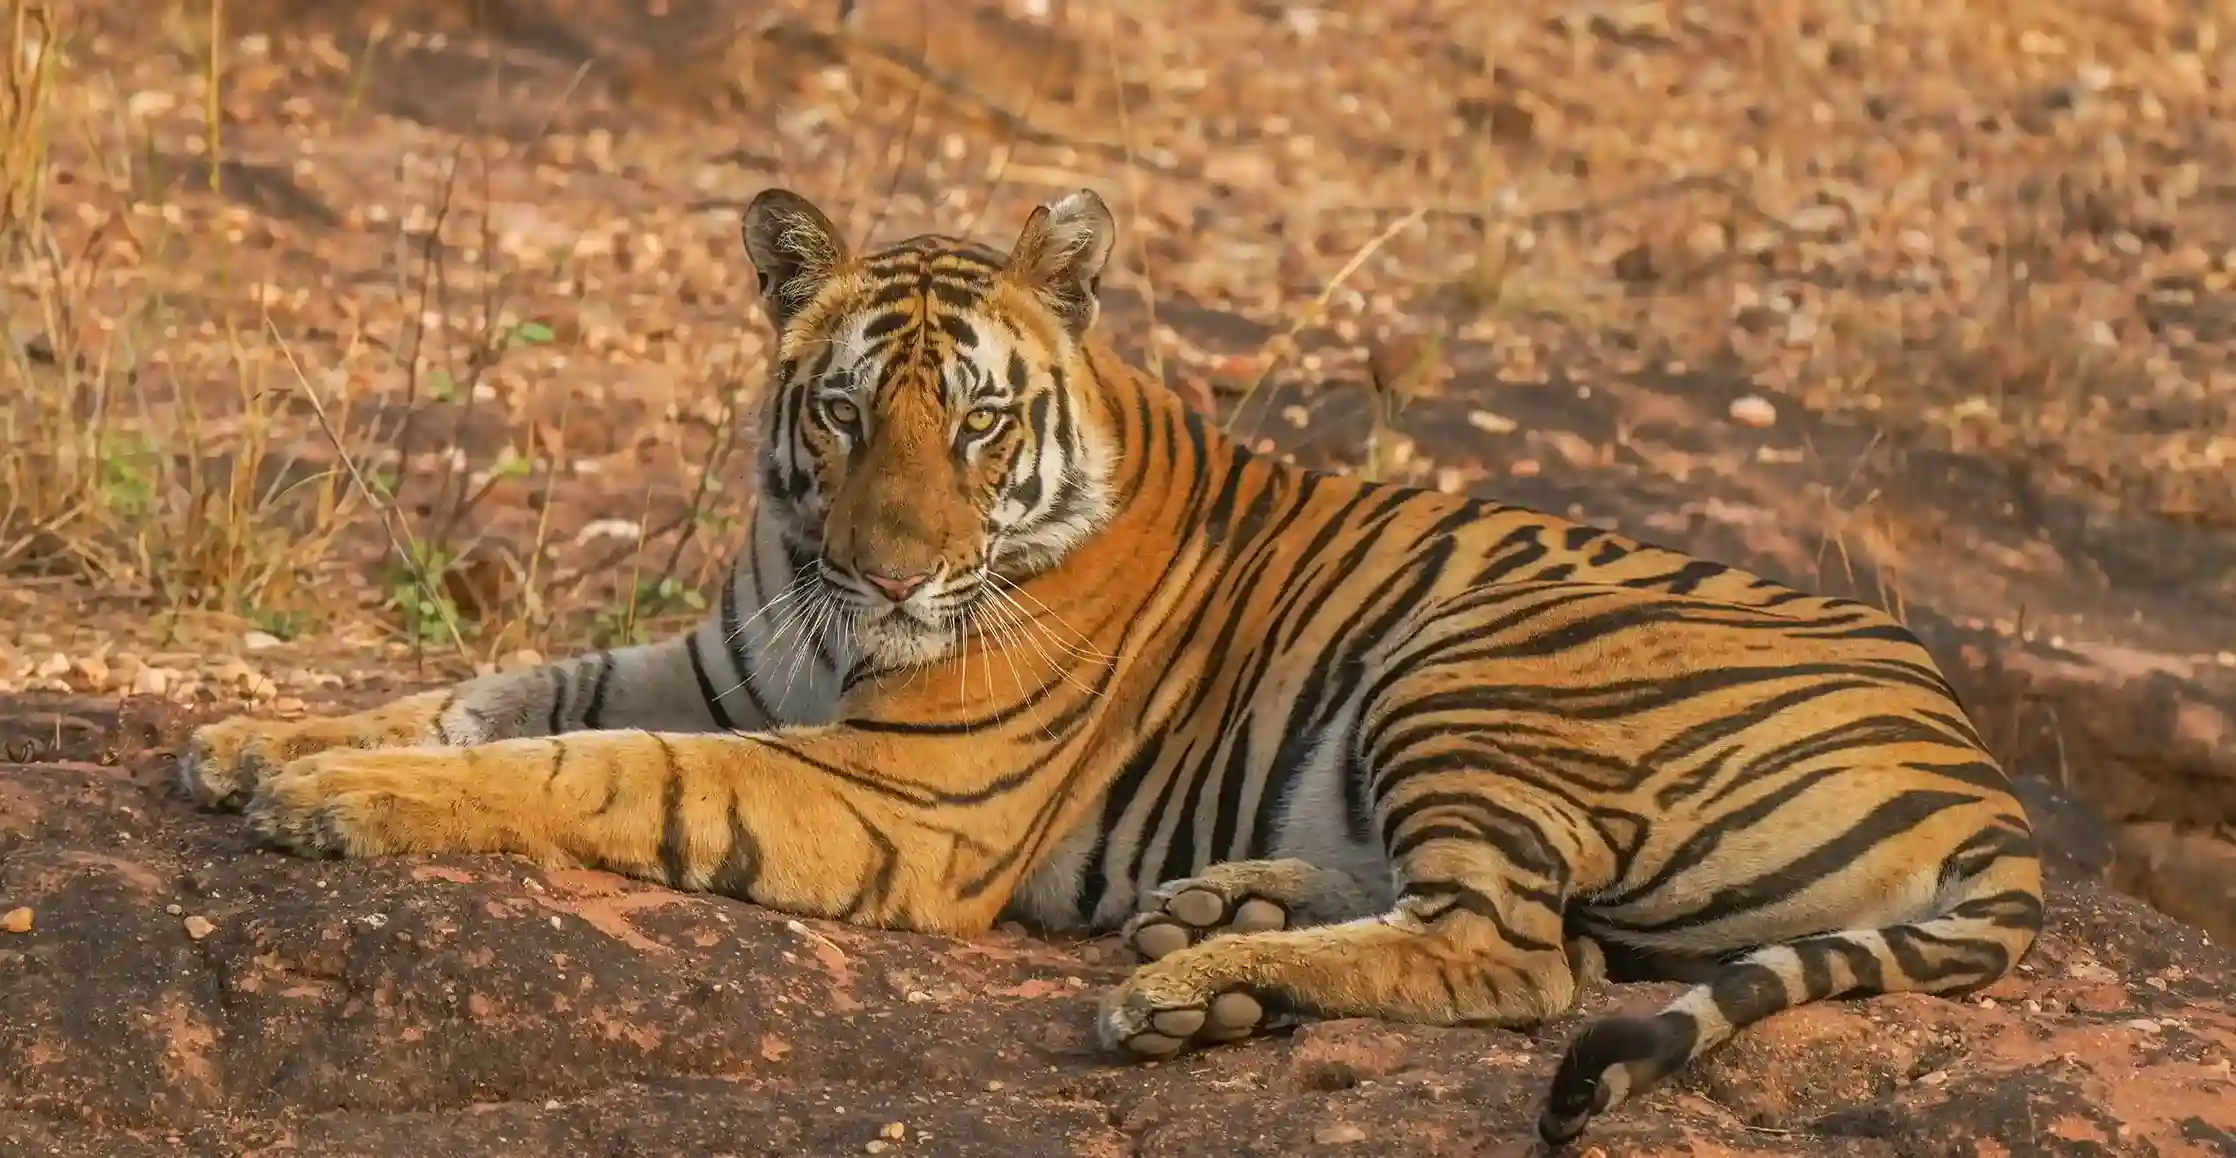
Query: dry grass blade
[[407, 550], [1280, 345]]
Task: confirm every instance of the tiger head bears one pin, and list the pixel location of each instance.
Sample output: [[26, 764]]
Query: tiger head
[[931, 426]]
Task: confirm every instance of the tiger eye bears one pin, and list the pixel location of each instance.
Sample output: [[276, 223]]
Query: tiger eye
[[843, 411], [981, 420]]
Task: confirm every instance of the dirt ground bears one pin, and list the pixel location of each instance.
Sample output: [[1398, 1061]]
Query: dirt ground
[[351, 348], [181, 991]]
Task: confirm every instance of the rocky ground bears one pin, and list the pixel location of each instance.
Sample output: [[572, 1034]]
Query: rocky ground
[[416, 343], [180, 991]]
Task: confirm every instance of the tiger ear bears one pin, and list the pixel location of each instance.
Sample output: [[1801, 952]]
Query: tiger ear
[[1061, 253], [795, 251]]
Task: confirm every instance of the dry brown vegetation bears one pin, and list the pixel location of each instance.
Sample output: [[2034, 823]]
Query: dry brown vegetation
[[340, 335]]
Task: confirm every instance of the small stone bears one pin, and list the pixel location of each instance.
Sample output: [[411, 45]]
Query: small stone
[[876, 1146], [175, 910], [1636, 264], [1753, 410], [1338, 1134], [1490, 423], [18, 920], [260, 641], [893, 1130], [93, 672], [199, 926], [1707, 239]]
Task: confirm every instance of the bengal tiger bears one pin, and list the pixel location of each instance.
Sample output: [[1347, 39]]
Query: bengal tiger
[[1017, 633]]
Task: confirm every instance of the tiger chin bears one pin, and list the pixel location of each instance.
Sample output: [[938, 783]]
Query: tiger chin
[[1016, 633]]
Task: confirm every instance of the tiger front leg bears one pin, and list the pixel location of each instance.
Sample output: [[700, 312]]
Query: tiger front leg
[[651, 686], [800, 821], [223, 762], [1473, 939]]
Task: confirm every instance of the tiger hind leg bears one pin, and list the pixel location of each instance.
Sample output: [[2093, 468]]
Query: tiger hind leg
[[1474, 938], [1985, 926], [1244, 896]]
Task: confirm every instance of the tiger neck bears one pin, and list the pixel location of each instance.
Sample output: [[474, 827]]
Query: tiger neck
[[1158, 447]]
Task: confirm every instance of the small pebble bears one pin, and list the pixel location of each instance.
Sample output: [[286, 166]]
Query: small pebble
[[93, 672], [1490, 423], [199, 926], [1753, 410], [894, 1131], [1338, 1134], [18, 920], [260, 641]]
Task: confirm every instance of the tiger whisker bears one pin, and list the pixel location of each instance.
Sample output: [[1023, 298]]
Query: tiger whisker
[[1085, 649]]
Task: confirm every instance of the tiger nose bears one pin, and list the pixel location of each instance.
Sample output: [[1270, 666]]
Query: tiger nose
[[898, 587]]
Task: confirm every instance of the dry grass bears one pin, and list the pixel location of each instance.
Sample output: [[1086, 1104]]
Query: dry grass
[[111, 477], [263, 503], [220, 411]]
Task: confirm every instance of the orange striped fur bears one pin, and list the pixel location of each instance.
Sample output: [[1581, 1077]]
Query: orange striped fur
[[1017, 633]]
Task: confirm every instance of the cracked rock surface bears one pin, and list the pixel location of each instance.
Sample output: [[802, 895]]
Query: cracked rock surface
[[183, 992]]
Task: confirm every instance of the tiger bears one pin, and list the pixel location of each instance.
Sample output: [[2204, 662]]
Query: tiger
[[1016, 633]]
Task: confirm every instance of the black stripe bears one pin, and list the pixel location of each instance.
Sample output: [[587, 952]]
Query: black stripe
[[741, 862], [876, 889], [594, 715], [733, 637], [1465, 898], [672, 850], [557, 722], [706, 686], [1893, 817]]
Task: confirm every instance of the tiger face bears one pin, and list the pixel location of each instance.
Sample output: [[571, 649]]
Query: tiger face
[[930, 428]]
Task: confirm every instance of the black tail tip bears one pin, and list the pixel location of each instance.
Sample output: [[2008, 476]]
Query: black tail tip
[[1578, 1093]]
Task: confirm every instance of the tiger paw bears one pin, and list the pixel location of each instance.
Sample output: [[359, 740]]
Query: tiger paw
[[1158, 1013], [1248, 896], [223, 761], [361, 803]]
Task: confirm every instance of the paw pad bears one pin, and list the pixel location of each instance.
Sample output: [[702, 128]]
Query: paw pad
[[1191, 914], [1229, 1017]]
